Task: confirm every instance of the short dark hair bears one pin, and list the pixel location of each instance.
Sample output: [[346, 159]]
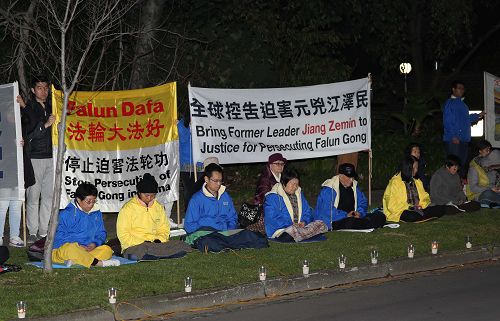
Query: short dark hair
[[411, 146], [39, 78], [289, 174], [452, 160], [457, 82], [212, 167], [85, 189], [482, 144], [407, 168]]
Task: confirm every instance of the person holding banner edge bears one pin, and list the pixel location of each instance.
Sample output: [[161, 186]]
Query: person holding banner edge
[[38, 112], [342, 204]]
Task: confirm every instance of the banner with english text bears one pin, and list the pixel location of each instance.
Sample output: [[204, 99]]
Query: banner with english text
[[492, 109], [115, 137], [248, 125]]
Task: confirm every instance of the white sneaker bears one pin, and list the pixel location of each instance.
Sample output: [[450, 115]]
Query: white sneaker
[[110, 262], [16, 242]]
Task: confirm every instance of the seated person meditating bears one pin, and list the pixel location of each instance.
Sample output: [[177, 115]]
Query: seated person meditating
[[405, 198], [211, 220], [342, 205], [446, 188], [287, 215], [80, 233], [143, 228], [483, 179]]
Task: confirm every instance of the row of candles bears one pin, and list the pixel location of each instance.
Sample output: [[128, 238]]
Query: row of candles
[[188, 281]]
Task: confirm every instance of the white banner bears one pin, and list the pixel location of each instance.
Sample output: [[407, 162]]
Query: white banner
[[11, 151], [492, 108], [247, 125]]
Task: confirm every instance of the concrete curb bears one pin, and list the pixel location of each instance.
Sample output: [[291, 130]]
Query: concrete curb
[[162, 304]]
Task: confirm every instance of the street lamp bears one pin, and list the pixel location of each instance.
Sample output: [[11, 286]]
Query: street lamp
[[405, 69]]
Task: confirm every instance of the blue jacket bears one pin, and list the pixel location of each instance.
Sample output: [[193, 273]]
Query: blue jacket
[[204, 210], [326, 205], [278, 209], [77, 226], [457, 121], [185, 153]]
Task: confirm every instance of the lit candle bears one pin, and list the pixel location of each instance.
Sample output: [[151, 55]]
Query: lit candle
[[305, 268], [342, 261], [434, 247], [112, 293], [188, 284], [21, 309], [374, 256], [262, 273], [411, 251], [468, 243]]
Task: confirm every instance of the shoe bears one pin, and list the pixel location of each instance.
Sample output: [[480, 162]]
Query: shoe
[[68, 263], [110, 262], [31, 239], [16, 242]]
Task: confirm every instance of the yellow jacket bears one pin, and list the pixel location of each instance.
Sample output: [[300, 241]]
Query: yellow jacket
[[395, 199], [482, 182], [137, 223]]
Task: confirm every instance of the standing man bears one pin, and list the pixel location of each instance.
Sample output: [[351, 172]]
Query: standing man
[[38, 112], [457, 123]]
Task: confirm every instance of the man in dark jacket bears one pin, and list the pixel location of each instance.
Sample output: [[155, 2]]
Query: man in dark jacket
[[38, 126]]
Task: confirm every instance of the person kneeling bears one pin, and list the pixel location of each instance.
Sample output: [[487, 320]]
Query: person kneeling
[[80, 234], [211, 220], [143, 228], [287, 215], [342, 205]]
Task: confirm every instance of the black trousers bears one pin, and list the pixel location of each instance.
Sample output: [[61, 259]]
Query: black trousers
[[4, 254], [373, 220], [429, 212], [468, 207]]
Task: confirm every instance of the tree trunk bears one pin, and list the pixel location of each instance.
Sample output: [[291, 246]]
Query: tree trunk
[[24, 31], [143, 50]]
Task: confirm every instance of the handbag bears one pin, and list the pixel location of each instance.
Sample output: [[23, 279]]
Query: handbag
[[249, 214]]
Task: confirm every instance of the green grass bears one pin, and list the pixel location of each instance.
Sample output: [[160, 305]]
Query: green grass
[[73, 289]]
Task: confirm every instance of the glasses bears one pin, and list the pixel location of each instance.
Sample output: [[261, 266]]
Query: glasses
[[90, 202], [217, 181], [278, 164]]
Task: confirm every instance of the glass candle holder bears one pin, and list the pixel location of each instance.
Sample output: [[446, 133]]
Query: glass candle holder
[[468, 243], [112, 294], [434, 247], [374, 256], [411, 251], [342, 261], [188, 284], [305, 268], [21, 309], [262, 273]]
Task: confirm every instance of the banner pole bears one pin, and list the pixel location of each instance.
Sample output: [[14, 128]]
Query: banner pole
[[24, 223], [178, 212], [369, 177]]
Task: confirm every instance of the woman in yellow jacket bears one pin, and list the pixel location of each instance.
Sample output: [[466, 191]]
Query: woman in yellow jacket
[[405, 198]]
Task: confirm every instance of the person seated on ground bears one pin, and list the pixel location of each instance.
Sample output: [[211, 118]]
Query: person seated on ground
[[80, 233], [211, 220], [446, 188], [287, 215], [415, 150], [482, 177], [142, 226], [405, 198], [342, 205], [270, 176]]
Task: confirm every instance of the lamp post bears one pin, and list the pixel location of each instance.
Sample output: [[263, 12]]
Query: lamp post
[[405, 69]]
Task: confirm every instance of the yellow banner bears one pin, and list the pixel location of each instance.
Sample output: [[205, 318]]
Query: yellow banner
[[118, 120]]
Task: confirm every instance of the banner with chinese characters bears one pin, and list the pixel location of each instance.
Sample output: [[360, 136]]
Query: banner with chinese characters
[[11, 151], [248, 125], [115, 137], [492, 109]]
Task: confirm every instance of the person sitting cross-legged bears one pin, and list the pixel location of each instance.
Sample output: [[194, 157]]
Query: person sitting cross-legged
[[143, 228], [342, 204], [211, 220], [287, 215], [80, 233]]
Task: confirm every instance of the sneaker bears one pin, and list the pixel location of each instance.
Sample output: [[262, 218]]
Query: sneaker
[[110, 262], [32, 239], [16, 242]]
